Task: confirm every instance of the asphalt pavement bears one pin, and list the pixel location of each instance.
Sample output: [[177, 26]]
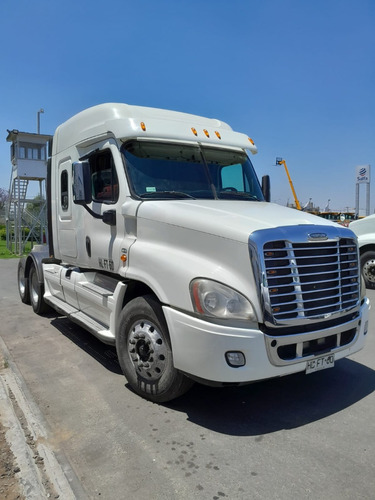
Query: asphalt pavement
[[78, 431]]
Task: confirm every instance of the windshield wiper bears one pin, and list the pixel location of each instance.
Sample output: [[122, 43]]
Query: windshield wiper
[[237, 194], [167, 194]]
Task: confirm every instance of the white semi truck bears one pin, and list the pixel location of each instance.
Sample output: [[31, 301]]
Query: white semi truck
[[365, 232], [163, 243]]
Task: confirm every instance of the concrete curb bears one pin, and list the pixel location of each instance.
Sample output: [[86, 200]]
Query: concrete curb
[[42, 474]]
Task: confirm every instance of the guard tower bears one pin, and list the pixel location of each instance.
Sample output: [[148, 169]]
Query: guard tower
[[26, 216]]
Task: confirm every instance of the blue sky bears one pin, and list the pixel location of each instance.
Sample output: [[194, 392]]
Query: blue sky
[[298, 76]]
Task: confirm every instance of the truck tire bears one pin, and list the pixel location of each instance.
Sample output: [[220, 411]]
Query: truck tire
[[145, 354], [368, 268], [23, 283], [36, 291]]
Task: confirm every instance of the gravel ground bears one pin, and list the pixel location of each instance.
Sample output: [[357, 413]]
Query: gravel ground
[[28, 467], [9, 469]]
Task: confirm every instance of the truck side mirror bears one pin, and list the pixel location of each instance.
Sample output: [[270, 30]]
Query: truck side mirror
[[266, 187], [81, 183]]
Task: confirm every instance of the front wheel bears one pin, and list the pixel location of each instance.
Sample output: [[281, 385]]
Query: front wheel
[[368, 268], [145, 354], [36, 291]]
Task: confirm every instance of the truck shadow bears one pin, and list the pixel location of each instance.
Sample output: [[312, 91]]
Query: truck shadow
[[255, 409], [277, 404], [104, 354]]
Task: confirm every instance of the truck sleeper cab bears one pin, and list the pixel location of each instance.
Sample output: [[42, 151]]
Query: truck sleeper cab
[[163, 243]]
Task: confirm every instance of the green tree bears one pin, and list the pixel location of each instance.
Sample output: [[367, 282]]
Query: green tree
[[4, 196], [35, 206]]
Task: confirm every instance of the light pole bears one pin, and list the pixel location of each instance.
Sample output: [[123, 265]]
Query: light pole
[[38, 119]]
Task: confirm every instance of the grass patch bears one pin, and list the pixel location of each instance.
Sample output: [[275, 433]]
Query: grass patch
[[6, 254]]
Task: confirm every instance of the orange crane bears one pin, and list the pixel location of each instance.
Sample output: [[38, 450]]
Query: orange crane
[[280, 161]]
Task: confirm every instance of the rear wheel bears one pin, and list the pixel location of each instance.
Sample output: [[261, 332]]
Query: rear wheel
[[36, 291], [368, 268], [23, 283], [145, 354]]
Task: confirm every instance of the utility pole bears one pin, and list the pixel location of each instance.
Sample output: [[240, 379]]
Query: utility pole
[[38, 120]]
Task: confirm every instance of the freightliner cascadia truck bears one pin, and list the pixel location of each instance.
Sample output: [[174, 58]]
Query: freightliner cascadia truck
[[365, 232], [163, 242]]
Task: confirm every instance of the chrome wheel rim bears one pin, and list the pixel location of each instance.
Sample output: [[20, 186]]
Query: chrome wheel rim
[[147, 350], [369, 270], [34, 295]]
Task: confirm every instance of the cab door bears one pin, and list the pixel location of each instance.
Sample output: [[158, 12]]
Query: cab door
[[102, 240]]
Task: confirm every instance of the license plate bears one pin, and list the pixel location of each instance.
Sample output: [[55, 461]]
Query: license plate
[[320, 363]]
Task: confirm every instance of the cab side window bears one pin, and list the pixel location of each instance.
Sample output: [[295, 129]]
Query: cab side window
[[104, 181]]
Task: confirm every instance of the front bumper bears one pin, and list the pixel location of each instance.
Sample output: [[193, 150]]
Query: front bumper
[[199, 347]]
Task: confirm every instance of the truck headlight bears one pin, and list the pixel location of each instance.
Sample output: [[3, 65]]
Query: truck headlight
[[214, 299]]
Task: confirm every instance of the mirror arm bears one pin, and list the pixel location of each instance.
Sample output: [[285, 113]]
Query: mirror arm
[[108, 217], [91, 212]]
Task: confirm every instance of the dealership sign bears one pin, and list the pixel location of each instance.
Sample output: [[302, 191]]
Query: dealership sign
[[363, 174]]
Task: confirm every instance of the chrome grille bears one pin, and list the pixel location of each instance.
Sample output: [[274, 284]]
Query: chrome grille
[[311, 279]]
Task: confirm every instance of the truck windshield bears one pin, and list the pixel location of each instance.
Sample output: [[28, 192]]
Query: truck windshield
[[164, 171]]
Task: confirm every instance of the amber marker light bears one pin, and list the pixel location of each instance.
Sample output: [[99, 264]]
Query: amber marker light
[[196, 298], [123, 258], [143, 126], [194, 131], [252, 142], [217, 134], [206, 133]]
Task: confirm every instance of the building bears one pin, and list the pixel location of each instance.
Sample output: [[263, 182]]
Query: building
[[26, 214]]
